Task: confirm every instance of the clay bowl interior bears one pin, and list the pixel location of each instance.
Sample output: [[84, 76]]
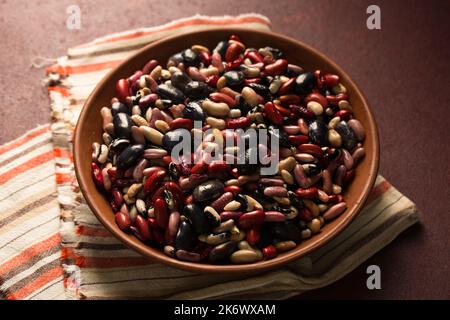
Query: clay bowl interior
[[89, 130]]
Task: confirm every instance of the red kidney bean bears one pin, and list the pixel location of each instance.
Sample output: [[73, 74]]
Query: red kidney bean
[[235, 64], [97, 174], [301, 111], [152, 223], [188, 256], [149, 66], [312, 149], [229, 92], [254, 57], [347, 159], [334, 100], [233, 52], [148, 100], [274, 216], [153, 181], [233, 189], [117, 196], [269, 252], [222, 201], [305, 214], [222, 97], [218, 166], [289, 99], [162, 215], [227, 215], [174, 220], [276, 68], [317, 97], [248, 81], [251, 219], [276, 191], [212, 80], [349, 176], [357, 128], [308, 193], [339, 175], [358, 155], [253, 235], [205, 57], [158, 235], [273, 114], [286, 86], [271, 181], [298, 140], [331, 80], [344, 114], [122, 89], [335, 198], [143, 228], [241, 122], [181, 123], [123, 221]]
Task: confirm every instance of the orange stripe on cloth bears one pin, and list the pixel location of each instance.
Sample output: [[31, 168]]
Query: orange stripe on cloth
[[23, 140], [62, 178], [39, 282], [62, 153], [93, 232], [63, 91], [92, 67], [30, 164], [111, 262], [67, 253], [29, 253], [68, 70], [379, 190], [196, 21]]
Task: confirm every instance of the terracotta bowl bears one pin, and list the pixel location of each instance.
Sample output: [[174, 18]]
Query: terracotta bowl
[[89, 130]]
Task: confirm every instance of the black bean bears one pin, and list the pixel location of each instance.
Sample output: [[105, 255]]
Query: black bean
[[169, 92], [304, 83], [172, 138], [318, 132], [190, 58], [194, 111], [222, 251], [287, 231], [176, 58], [179, 80], [129, 156], [282, 136], [198, 218], [186, 237], [118, 144], [122, 125], [347, 134], [118, 107], [196, 90], [234, 78], [221, 48], [208, 190]]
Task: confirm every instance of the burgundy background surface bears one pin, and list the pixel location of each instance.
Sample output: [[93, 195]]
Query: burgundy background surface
[[403, 69]]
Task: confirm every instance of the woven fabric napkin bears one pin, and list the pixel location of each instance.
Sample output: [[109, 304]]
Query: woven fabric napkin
[[73, 256]]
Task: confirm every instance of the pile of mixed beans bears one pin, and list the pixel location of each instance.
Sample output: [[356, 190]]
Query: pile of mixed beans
[[219, 212]]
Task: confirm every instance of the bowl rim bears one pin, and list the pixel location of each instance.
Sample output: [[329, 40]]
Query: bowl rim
[[156, 255]]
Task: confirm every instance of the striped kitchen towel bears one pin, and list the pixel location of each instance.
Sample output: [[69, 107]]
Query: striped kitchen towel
[[90, 262]]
